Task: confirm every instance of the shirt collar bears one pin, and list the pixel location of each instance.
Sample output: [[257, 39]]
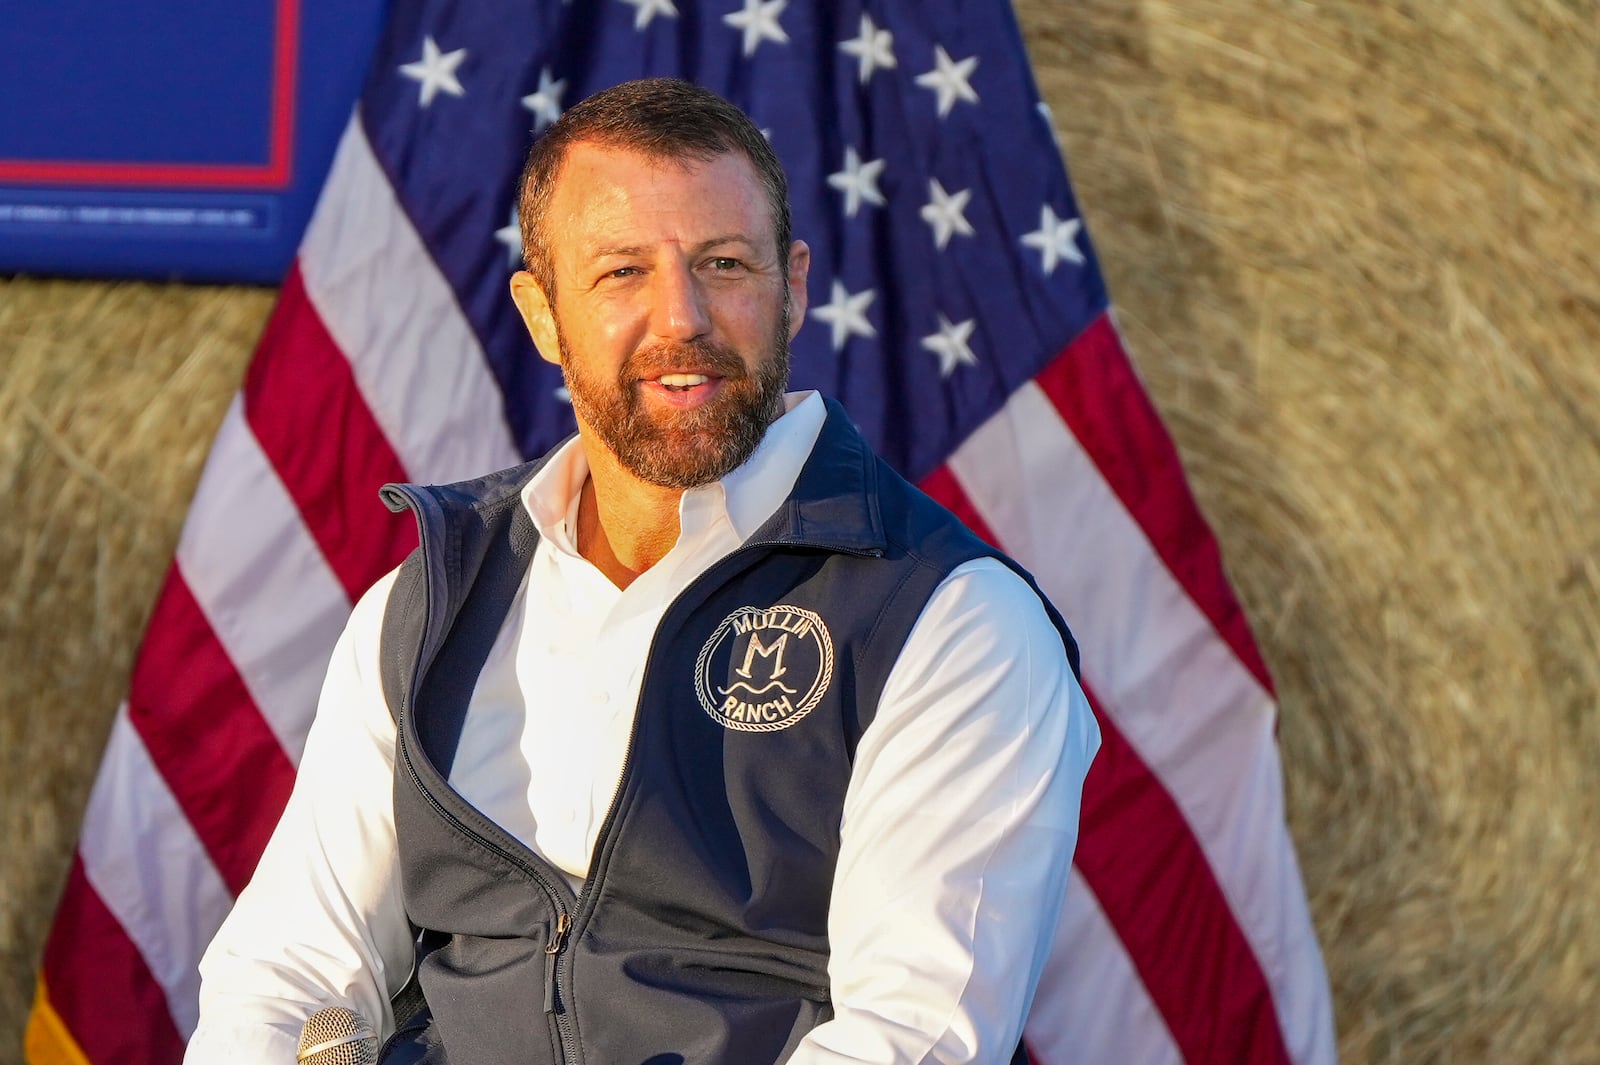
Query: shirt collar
[[745, 498]]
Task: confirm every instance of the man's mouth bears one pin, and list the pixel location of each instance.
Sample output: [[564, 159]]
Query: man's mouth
[[681, 382]]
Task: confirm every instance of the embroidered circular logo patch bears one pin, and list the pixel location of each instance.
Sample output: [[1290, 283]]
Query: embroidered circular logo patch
[[764, 668]]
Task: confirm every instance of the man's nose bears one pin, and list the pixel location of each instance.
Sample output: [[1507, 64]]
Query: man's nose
[[679, 303]]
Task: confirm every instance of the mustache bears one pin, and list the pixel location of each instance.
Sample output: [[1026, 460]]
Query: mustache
[[697, 355]]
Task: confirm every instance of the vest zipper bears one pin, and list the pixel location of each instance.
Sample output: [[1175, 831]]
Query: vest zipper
[[557, 941]]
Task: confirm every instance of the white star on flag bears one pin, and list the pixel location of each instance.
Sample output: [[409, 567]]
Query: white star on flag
[[510, 235], [649, 9], [950, 344], [873, 47], [946, 213], [1056, 239], [759, 21], [846, 314], [858, 181], [950, 79], [545, 102], [435, 71]]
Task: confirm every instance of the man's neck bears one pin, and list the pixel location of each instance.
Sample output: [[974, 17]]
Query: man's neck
[[625, 525]]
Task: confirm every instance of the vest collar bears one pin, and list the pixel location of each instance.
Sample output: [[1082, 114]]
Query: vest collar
[[834, 503]]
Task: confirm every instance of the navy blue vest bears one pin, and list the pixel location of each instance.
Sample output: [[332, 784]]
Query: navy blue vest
[[700, 936]]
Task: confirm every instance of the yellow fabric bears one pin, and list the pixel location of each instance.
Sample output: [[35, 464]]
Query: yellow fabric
[[47, 1040]]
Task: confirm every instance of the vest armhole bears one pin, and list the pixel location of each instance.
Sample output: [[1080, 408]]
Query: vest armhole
[[398, 636]]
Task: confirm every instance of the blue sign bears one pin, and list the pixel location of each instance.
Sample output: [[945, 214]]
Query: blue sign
[[171, 138]]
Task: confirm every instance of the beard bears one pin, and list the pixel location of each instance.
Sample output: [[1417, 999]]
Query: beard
[[682, 449]]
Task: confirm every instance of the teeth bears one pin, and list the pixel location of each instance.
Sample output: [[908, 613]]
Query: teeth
[[683, 380]]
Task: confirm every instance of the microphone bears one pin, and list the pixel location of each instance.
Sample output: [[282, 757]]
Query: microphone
[[337, 1036]]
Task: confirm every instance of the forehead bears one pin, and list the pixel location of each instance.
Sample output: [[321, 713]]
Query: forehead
[[606, 196]]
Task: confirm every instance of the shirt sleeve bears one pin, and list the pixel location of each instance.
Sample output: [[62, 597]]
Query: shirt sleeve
[[958, 832], [322, 921]]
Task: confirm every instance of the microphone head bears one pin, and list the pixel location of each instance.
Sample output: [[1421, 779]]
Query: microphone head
[[337, 1036]]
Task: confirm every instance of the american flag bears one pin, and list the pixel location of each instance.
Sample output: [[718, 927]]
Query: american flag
[[957, 311]]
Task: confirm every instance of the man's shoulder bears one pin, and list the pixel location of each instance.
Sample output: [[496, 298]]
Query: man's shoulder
[[936, 536], [917, 522], [473, 493]]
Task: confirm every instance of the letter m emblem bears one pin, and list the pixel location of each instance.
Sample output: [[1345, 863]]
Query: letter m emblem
[[772, 652]]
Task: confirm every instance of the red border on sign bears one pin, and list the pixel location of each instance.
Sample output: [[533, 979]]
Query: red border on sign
[[274, 174]]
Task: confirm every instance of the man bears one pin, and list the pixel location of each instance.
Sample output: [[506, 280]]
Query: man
[[717, 742]]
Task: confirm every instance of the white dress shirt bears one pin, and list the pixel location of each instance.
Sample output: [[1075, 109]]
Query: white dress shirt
[[958, 828]]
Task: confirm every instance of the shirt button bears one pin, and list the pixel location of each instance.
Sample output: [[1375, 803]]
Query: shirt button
[[600, 698]]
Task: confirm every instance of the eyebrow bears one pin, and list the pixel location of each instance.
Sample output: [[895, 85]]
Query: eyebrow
[[699, 249]]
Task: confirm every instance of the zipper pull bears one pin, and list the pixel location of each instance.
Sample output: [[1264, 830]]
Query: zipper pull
[[557, 941]]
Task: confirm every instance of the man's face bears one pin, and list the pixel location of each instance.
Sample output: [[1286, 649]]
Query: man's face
[[673, 312]]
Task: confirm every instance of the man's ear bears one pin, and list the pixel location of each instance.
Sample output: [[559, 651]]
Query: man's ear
[[537, 314], [799, 266]]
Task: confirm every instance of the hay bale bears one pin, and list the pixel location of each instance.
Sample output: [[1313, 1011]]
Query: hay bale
[[1351, 247]]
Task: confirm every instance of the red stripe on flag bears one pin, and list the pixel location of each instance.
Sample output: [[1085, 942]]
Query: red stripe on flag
[[100, 986], [205, 735], [1137, 854], [1095, 390], [312, 421]]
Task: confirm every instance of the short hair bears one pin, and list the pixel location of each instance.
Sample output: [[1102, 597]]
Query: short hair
[[661, 118]]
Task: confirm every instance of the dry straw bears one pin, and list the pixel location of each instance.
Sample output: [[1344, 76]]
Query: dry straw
[[1352, 249]]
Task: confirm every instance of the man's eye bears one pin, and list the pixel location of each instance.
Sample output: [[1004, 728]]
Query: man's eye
[[722, 262]]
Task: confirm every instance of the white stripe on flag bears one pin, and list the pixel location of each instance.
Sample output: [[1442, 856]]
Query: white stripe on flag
[[1195, 715], [150, 871], [393, 314], [1109, 1018], [263, 584]]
